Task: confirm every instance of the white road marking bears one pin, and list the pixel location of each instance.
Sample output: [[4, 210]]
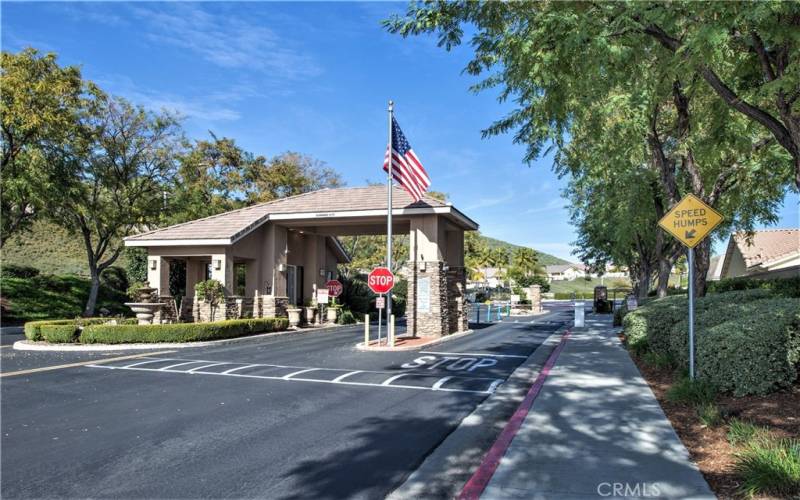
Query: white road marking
[[389, 380], [475, 354], [292, 377], [170, 367], [439, 383], [146, 362], [287, 377], [238, 368], [342, 377], [494, 385], [193, 370]]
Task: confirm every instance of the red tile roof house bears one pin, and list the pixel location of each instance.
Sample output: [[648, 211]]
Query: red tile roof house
[[287, 248], [769, 253]]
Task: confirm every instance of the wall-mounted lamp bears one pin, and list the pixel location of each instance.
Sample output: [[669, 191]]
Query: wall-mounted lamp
[[217, 264], [153, 264], [322, 272]]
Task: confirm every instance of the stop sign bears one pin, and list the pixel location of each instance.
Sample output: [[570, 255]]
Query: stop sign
[[380, 280], [334, 288]]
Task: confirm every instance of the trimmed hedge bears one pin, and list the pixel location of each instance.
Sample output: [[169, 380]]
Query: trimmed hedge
[[785, 287], [754, 353], [180, 332], [58, 334], [33, 329], [749, 339]]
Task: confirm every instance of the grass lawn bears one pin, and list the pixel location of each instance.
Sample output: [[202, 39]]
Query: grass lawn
[[53, 297], [587, 286]]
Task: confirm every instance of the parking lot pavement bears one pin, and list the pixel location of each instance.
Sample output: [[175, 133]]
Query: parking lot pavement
[[293, 416]]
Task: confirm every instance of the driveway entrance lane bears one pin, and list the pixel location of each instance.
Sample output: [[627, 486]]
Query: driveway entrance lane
[[150, 434]]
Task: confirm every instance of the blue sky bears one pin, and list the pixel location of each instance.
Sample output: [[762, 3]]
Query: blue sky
[[313, 78]]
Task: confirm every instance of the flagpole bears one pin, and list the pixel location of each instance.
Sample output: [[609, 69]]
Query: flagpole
[[389, 216]]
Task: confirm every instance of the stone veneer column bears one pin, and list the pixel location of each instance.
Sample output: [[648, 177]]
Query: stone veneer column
[[436, 321], [534, 293], [273, 306], [456, 299]]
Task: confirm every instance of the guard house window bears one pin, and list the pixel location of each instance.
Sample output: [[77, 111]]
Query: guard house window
[[240, 275], [208, 271]]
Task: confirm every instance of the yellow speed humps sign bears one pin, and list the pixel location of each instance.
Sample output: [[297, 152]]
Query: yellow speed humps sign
[[690, 220]]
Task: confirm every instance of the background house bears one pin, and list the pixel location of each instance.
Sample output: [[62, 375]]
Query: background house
[[565, 272], [770, 253]]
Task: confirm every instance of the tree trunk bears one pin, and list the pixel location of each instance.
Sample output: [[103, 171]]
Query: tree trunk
[[702, 259], [664, 269], [643, 280], [88, 312]]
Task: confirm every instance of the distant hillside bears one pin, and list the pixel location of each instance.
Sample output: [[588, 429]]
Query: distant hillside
[[545, 259], [50, 249], [54, 251]]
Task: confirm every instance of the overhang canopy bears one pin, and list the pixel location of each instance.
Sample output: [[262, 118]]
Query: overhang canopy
[[340, 211]]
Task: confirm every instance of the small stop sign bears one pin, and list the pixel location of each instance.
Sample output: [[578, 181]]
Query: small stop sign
[[334, 288], [380, 280]]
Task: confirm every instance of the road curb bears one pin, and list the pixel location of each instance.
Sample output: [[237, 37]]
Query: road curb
[[450, 465], [27, 345]]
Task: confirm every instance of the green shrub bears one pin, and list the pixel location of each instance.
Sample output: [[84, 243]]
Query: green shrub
[[785, 287], [115, 278], [755, 353], [34, 329], [15, 271], [619, 314], [741, 432], [692, 392], [710, 311], [658, 360], [180, 332], [346, 318], [710, 415], [573, 295], [58, 334], [770, 467]]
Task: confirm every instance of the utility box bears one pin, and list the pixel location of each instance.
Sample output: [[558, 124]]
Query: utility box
[[601, 304], [579, 320]]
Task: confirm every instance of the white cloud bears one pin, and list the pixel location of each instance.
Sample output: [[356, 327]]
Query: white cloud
[[211, 108], [553, 205], [226, 40], [491, 201]]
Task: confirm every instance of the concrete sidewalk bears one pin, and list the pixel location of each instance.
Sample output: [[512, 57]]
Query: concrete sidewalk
[[596, 431]]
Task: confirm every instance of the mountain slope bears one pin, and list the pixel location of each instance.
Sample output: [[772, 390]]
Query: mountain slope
[[545, 259]]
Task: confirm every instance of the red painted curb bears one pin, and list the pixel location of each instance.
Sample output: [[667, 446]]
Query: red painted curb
[[480, 479]]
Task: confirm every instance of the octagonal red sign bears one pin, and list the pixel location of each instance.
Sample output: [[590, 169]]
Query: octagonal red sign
[[334, 288], [380, 280]]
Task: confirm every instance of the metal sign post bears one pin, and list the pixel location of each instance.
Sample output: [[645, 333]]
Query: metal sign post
[[691, 313], [690, 221]]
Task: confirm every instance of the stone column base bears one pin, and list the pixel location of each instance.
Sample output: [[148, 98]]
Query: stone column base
[[427, 318], [271, 306], [457, 305]]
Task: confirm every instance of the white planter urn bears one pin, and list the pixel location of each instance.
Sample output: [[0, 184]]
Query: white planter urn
[[294, 316], [311, 315], [333, 313]]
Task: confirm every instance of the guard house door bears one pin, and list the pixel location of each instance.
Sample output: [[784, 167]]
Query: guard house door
[[294, 284]]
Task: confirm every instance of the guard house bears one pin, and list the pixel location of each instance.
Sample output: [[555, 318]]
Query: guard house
[[273, 255]]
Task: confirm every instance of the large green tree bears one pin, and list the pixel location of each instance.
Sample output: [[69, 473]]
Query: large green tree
[[120, 163], [569, 65], [39, 105]]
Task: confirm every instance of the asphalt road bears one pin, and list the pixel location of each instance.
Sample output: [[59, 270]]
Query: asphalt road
[[294, 416]]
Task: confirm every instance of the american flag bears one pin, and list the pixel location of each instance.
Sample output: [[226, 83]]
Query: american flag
[[406, 167]]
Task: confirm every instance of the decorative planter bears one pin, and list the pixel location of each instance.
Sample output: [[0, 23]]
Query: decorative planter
[[333, 314], [311, 315], [294, 315]]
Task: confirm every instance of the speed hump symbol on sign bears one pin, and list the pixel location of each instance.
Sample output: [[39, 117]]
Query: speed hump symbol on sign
[[690, 220]]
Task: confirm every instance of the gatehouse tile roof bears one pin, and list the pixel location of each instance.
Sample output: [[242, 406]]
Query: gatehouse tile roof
[[231, 225]]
